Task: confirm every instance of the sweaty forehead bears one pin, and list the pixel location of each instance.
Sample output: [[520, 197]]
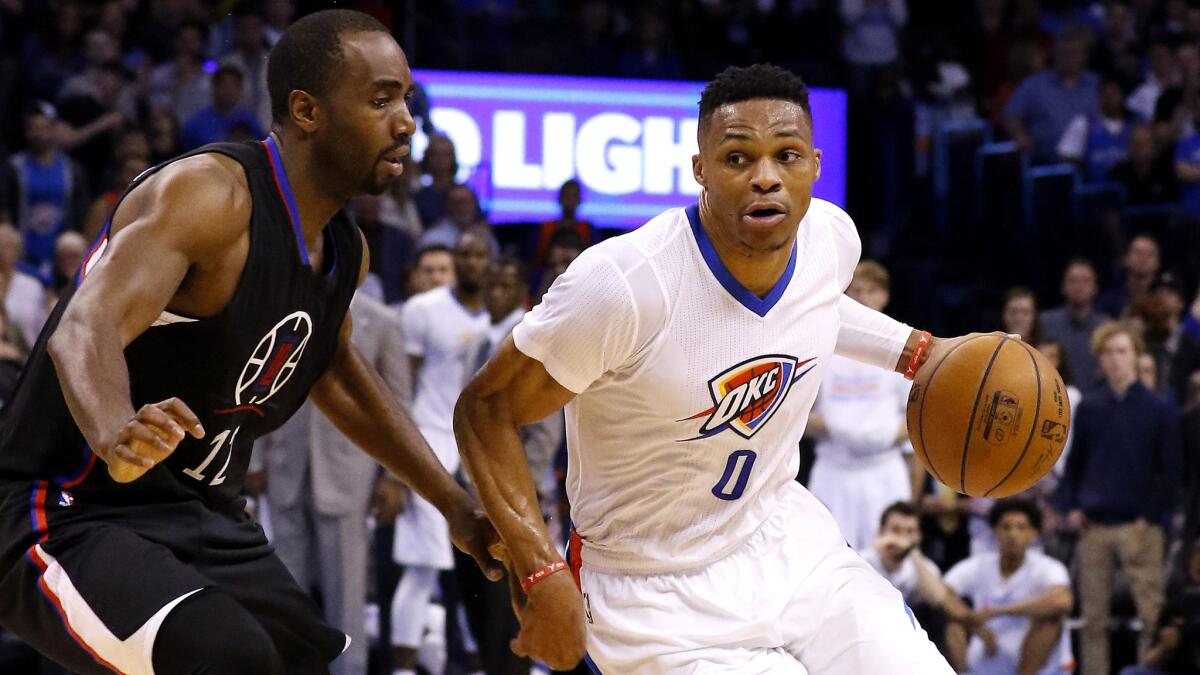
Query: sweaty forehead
[[759, 117], [373, 58]]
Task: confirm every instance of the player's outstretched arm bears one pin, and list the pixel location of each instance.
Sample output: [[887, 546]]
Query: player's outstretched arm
[[513, 390], [187, 217], [358, 402]]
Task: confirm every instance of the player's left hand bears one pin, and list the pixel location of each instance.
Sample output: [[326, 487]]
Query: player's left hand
[[473, 534]]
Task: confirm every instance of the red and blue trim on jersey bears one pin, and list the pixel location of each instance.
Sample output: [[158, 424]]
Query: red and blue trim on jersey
[[285, 191], [94, 252], [743, 295]]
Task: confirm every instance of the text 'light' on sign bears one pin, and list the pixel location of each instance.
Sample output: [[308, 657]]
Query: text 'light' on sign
[[628, 142]]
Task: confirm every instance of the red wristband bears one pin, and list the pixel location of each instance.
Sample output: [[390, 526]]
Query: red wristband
[[528, 581], [915, 362]]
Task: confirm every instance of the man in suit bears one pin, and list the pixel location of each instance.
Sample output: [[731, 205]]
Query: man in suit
[[319, 497]]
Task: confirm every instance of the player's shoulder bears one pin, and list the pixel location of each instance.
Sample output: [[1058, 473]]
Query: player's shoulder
[[646, 244], [833, 216], [204, 197]]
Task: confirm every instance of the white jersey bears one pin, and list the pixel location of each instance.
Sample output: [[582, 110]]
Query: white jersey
[[863, 408], [692, 392], [979, 578], [439, 329]]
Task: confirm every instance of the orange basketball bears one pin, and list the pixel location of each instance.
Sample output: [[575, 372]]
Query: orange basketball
[[990, 418]]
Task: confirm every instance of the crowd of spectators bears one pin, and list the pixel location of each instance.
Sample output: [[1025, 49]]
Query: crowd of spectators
[[94, 93]]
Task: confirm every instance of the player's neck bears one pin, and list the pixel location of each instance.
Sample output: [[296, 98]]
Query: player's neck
[[756, 270], [313, 199]]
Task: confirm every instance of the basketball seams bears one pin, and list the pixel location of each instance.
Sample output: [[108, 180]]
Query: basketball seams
[[921, 411], [1037, 408], [962, 466]]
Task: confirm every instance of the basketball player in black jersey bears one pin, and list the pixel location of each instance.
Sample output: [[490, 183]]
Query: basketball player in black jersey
[[212, 306]]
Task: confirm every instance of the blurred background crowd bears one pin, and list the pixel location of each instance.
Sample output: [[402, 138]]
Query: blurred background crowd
[[1031, 166]]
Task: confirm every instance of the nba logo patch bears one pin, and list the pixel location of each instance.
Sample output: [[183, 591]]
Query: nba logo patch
[[748, 394], [65, 498]]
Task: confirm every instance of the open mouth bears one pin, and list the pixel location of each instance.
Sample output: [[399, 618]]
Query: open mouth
[[765, 215], [766, 212]]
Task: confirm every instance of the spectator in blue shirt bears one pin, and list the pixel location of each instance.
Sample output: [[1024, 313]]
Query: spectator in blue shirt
[[1119, 489], [1071, 325], [213, 124], [1044, 103], [48, 189]]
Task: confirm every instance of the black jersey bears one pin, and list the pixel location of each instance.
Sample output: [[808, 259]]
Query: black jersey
[[243, 371]]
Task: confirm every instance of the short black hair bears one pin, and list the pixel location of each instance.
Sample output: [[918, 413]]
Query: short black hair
[[1016, 505], [901, 508], [761, 80], [309, 53], [228, 70], [568, 238]]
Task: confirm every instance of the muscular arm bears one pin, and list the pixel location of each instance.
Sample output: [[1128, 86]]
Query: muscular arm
[[512, 390], [178, 223]]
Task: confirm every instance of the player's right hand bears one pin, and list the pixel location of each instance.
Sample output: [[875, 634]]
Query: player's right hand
[[552, 628], [148, 437]]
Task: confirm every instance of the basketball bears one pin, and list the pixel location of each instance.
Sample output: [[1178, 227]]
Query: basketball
[[990, 418]]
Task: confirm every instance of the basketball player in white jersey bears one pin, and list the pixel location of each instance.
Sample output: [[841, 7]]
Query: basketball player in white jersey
[[439, 325], [864, 461], [688, 354]]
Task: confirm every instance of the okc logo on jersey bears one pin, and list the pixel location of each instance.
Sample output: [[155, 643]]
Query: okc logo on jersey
[[748, 394], [274, 360]]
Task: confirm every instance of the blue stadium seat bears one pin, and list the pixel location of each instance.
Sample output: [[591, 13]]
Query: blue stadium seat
[[1048, 237]]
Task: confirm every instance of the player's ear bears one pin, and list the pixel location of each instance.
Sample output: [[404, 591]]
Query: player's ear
[[698, 170], [304, 110], [817, 164]]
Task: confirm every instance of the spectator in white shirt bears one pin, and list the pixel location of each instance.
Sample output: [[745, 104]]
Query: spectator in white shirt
[[896, 555], [1020, 598]]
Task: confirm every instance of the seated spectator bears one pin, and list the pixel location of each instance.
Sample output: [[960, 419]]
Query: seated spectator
[[1147, 175], [215, 122], [1044, 104], [1187, 169], [440, 164], [91, 118], [896, 555], [1176, 351], [569, 198], [163, 134], [462, 214], [433, 267], [564, 247], [182, 86], [49, 191], [69, 250], [1020, 598], [1176, 646], [249, 55], [24, 295], [1019, 315], [1140, 264], [1099, 140], [1071, 325], [1160, 75]]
